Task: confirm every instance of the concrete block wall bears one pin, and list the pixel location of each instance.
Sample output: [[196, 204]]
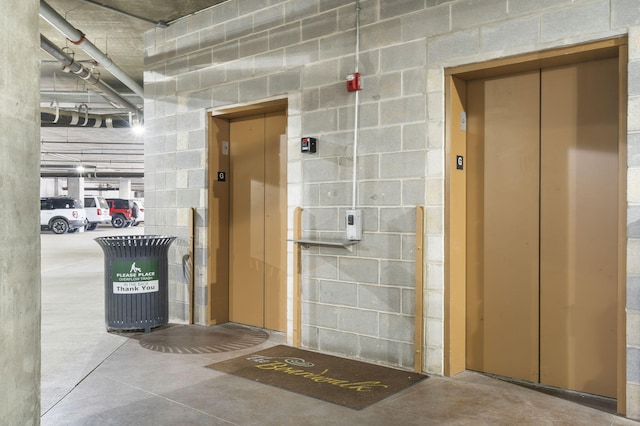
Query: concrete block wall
[[359, 302]]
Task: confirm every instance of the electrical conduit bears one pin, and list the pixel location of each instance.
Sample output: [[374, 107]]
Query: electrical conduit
[[78, 38]]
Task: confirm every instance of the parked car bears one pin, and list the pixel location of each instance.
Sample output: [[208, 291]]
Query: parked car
[[61, 214], [97, 211], [121, 211], [139, 205]]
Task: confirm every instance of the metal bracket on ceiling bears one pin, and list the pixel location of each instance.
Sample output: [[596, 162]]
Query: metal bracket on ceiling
[[69, 51], [84, 107], [72, 55], [80, 40], [55, 102]]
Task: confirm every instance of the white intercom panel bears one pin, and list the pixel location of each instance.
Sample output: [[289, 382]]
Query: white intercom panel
[[354, 225]]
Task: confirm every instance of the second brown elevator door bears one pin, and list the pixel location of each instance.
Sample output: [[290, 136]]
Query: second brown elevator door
[[542, 226]]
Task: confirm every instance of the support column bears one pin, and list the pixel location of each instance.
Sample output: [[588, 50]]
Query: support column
[[125, 188], [19, 184], [75, 187]]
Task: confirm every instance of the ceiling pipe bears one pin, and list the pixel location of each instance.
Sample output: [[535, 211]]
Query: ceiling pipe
[[59, 157], [96, 152], [76, 96], [159, 24], [80, 142], [82, 72], [92, 174], [50, 117], [78, 38]]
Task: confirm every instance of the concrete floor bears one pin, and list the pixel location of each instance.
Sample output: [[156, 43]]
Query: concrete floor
[[91, 377]]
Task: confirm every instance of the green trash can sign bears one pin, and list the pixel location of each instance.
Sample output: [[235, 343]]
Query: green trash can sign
[[139, 276]]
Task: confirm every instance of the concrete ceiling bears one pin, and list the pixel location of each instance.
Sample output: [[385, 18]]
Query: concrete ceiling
[[117, 28]]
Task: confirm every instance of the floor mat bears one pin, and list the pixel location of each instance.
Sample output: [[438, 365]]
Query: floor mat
[[333, 379]]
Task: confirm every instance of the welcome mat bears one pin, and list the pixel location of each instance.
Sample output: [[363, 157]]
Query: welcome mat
[[341, 381]]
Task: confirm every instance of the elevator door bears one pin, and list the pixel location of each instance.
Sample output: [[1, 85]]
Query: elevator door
[[542, 191], [257, 232]]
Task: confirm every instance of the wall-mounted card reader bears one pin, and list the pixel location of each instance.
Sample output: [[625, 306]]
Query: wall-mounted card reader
[[308, 145], [354, 225]]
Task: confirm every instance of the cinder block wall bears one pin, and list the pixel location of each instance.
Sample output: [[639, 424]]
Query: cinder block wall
[[358, 303]]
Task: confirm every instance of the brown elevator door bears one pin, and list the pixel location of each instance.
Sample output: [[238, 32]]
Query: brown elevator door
[[542, 226], [579, 217], [502, 225], [257, 233]]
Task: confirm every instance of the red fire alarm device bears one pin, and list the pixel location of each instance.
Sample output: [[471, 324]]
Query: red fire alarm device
[[308, 145], [353, 82]]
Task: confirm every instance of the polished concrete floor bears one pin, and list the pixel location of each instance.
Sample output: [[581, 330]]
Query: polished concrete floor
[[91, 377]]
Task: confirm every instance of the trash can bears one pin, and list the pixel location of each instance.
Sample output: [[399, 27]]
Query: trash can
[[136, 281]]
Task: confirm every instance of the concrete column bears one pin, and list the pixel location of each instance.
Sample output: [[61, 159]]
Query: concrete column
[[19, 231], [125, 188], [48, 187], [75, 187]]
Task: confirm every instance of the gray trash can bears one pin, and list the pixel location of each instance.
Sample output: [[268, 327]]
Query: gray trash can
[[136, 281]]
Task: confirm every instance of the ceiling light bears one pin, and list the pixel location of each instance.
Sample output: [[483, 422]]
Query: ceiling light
[[137, 129], [136, 124]]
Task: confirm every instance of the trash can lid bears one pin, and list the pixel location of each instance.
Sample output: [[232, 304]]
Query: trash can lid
[[134, 240]]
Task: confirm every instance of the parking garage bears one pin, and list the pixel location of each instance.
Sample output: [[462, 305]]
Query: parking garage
[[382, 242]]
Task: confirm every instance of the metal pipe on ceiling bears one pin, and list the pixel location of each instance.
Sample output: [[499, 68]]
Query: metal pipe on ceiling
[[77, 37], [66, 99], [159, 24], [101, 189], [59, 159], [97, 152], [85, 74], [92, 174], [50, 117], [66, 166], [87, 142]]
